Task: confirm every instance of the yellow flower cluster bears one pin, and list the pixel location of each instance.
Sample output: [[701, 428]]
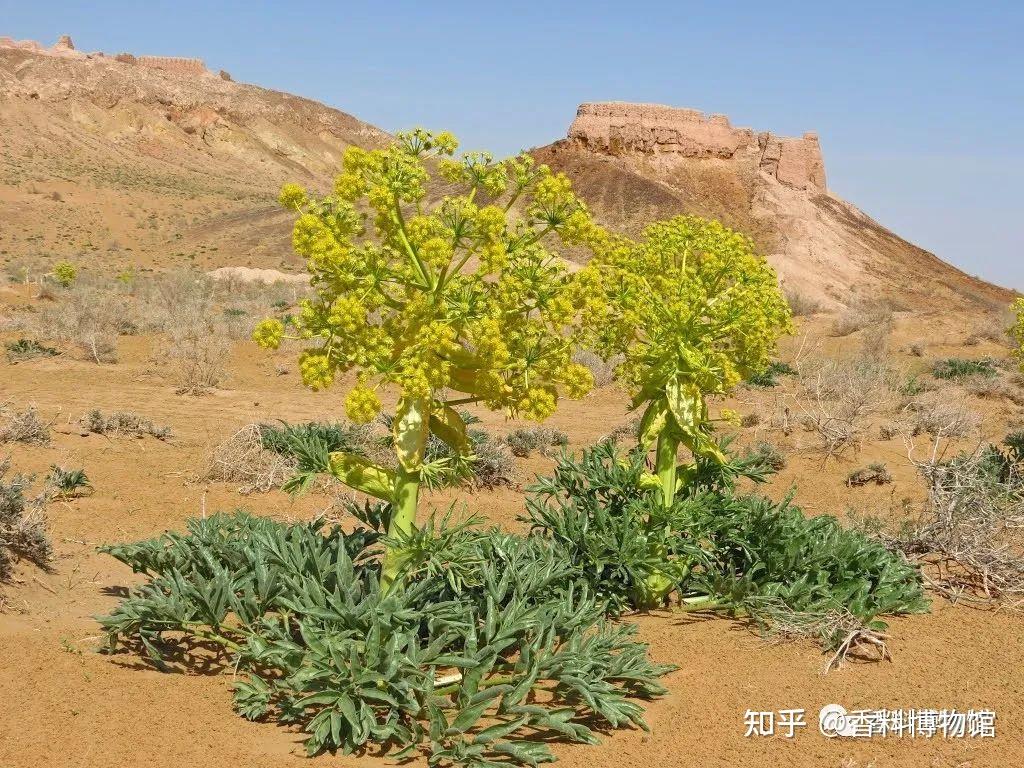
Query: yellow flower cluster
[[691, 301], [460, 296], [362, 405], [268, 333], [1017, 330]]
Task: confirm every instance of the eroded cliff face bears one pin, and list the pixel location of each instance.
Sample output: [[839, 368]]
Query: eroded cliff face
[[651, 129], [638, 162]]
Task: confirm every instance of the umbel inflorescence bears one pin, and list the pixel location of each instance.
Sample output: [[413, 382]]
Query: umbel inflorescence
[[459, 294]]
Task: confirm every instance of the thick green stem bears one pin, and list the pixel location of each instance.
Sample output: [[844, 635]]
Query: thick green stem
[[403, 516], [665, 465]]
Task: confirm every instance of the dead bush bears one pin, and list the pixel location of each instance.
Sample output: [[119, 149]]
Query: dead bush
[[932, 415], [971, 528], [800, 304], [840, 395], [994, 327], [196, 355], [23, 533], [860, 315], [123, 423], [23, 426], [89, 318], [243, 459], [876, 473]]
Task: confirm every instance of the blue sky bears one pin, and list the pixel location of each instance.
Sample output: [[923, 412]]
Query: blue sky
[[919, 105]]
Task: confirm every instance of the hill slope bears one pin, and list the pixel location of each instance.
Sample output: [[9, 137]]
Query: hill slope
[[116, 163], [637, 162]]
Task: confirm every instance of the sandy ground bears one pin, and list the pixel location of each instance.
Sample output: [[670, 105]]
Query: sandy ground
[[63, 703]]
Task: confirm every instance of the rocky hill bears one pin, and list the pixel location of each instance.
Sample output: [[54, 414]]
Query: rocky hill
[[637, 162], [155, 162], [152, 161]]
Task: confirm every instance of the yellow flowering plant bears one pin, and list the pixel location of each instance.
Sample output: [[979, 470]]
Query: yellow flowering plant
[[1017, 330], [64, 272], [430, 297], [693, 310]]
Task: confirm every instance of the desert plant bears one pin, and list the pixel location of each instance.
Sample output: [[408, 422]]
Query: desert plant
[[489, 463], [876, 473], [197, 355], [769, 376], [89, 318], [242, 458], [467, 668], [860, 315], [941, 419], [458, 296], [525, 440], [23, 426], [64, 273], [717, 549], [841, 395], [958, 369], [769, 455], [123, 423], [602, 370], [970, 527], [27, 349], [800, 304], [67, 483], [693, 310], [22, 524]]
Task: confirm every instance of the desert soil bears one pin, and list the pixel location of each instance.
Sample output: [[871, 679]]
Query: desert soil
[[64, 703]]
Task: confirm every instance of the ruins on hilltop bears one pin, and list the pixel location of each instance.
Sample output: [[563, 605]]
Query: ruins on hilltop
[[652, 129], [65, 48]]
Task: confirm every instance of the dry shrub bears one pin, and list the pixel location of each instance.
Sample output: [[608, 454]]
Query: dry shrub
[[23, 426], [243, 459], [860, 315], [875, 342], [847, 633], [971, 529], [841, 395], [123, 423], [932, 415], [196, 355], [164, 302], [89, 318], [800, 304], [917, 348], [995, 327], [996, 389], [876, 473], [23, 532]]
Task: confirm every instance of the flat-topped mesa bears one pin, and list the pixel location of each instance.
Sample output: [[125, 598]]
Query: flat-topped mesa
[[618, 128]]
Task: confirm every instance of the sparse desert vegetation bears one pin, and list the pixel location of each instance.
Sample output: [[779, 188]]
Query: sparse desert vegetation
[[517, 476]]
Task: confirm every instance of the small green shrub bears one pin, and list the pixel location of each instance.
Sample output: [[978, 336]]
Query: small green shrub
[[525, 440], [67, 483], [958, 369], [719, 550], [64, 272], [769, 455], [27, 349], [769, 377]]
